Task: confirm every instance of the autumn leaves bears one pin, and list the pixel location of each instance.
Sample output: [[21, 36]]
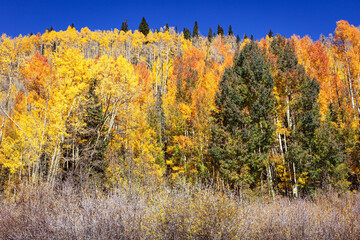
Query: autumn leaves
[[108, 106]]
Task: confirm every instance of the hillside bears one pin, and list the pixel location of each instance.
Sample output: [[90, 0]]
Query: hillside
[[276, 116]]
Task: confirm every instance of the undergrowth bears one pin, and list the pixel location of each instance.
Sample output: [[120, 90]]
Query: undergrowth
[[182, 211]]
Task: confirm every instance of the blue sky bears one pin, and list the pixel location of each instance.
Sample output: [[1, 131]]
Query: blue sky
[[251, 17]]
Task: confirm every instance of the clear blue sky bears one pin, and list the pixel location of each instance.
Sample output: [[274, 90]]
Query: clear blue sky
[[252, 17]]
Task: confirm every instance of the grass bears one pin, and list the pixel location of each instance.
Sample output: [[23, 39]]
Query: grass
[[180, 212]]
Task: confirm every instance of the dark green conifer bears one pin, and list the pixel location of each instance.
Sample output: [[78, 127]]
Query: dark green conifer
[[210, 34], [195, 30], [125, 26], [270, 34], [302, 119], [230, 32], [50, 29], [237, 39], [220, 30], [242, 136], [54, 47], [90, 142], [144, 27], [187, 34]]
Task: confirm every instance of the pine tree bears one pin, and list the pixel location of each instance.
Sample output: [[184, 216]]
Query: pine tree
[[298, 94], [242, 135], [94, 136], [144, 27], [220, 30], [270, 34], [245, 36], [237, 39], [72, 26], [90, 142], [50, 29], [125, 26], [326, 166], [187, 34], [252, 37], [230, 32], [166, 27], [54, 47], [195, 30], [210, 34]]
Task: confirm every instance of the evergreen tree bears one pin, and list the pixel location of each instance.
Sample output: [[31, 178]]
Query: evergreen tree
[[166, 27], [245, 36], [90, 142], [144, 27], [54, 47], [72, 25], [327, 166], [157, 30], [220, 30], [210, 34], [270, 34], [230, 32], [125, 26], [298, 93], [176, 30], [195, 30], [252, 37], [50, 29], [187, 34], [237, 39], [242, 135]]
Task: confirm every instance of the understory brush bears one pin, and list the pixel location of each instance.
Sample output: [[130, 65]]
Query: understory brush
[[182, 211]]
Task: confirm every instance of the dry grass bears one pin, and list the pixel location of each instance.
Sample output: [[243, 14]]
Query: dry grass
[[182, 212]]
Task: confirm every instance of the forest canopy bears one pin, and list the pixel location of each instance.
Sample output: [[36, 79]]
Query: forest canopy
[[278, 115]]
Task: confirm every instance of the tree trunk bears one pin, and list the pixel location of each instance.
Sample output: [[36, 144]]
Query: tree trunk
[[270, 181], [295, 185]]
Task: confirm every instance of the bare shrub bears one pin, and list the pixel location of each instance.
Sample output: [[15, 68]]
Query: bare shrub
[[181, 212]]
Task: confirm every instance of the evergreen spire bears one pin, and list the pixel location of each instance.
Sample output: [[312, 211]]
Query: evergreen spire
[[125, 26], [187, 34], [144, 27], [241, 139], [271, 34], [230, 32], [210, 34], [195, 30], [220, 30]]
